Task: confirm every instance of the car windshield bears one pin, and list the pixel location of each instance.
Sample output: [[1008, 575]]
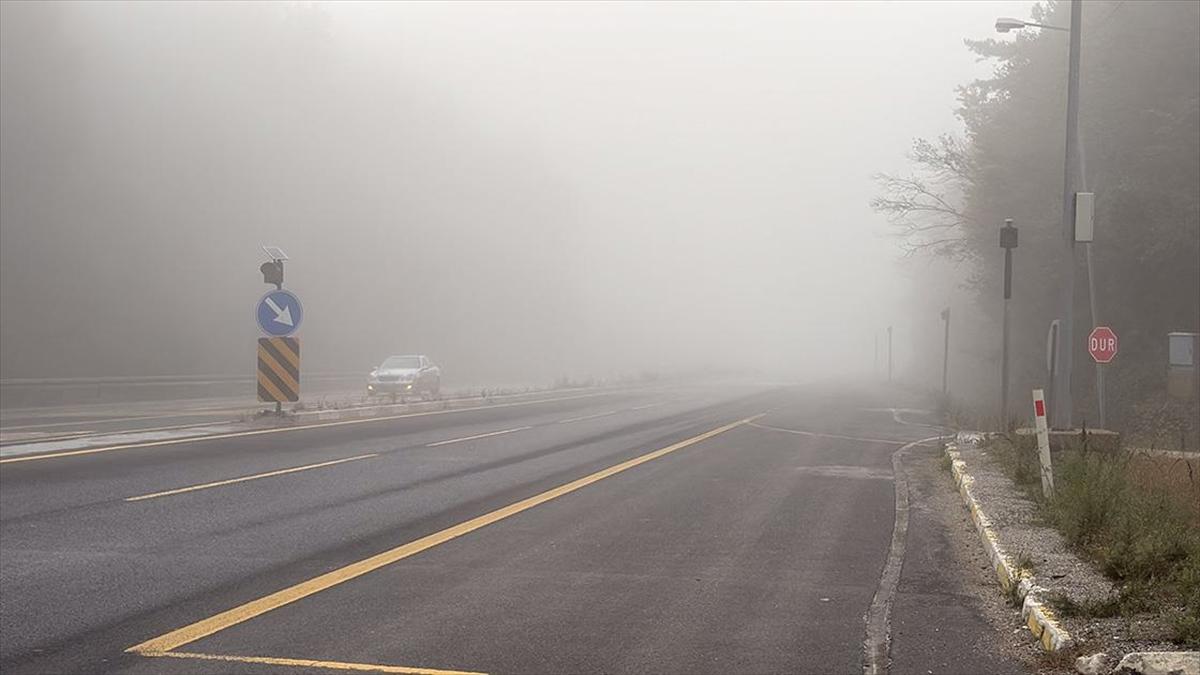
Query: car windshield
[[402, 362]]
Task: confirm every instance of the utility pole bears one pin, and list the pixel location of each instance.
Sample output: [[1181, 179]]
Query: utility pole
[[889, 353], [875, 370], [1008, 241], [946, 355], [1062, 407]]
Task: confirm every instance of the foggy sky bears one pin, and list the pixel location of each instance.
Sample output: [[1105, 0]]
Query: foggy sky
[[521, 191]]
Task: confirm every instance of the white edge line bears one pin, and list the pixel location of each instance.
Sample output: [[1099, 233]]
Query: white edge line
[[268, 474]]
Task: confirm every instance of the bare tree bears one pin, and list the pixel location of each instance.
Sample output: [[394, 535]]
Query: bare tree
[[925, 207]]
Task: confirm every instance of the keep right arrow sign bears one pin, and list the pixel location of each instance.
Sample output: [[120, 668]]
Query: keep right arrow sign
[[1102, 344]]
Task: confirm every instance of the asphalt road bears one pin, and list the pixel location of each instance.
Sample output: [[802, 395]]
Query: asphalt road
[[672, 530]]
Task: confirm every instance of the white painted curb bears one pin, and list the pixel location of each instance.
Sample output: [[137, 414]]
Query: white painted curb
[[1038, 617]]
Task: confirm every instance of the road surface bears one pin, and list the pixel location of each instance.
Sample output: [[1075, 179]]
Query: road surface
[[679, 529]]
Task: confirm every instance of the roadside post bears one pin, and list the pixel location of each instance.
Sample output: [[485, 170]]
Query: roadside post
[[1043, 439], [278, 313], [1008, 241]]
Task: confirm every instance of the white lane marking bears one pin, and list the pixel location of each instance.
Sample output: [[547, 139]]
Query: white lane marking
[[588, 417], [817, 435], [648, 405], [27, 455], [471, 438], [280, 472]]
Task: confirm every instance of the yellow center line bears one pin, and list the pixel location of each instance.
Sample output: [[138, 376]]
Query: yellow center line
[[230, 617], [471, 438], [242, 479], [300, 427], [310, 663], [589, 417]]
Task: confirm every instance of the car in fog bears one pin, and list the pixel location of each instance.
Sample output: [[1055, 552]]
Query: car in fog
[[408, 375]]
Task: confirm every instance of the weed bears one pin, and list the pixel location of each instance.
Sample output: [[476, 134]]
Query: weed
[[1024, 564], [1012, 594], [1063, 659], [1142, 536]]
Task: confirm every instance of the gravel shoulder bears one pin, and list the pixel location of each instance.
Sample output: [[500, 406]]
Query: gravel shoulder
[[1040, 550]]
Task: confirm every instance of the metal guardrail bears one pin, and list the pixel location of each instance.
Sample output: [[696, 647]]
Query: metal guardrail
[[22, 392], [157, 379]]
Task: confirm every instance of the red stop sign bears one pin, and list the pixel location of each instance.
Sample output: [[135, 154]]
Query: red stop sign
[[1102, 344]]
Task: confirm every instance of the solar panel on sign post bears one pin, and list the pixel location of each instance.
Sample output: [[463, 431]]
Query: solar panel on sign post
[[275, 253]]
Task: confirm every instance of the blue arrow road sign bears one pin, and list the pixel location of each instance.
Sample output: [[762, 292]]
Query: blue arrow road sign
[[279, 313]]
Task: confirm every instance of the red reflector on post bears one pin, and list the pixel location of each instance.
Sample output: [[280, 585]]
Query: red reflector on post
[[1039, 408]]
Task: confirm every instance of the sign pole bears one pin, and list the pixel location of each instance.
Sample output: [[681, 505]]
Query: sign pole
[[1043, 439], [279, 314], [1102, 346], [1008, 241], [1096, 322], [946, 355], [1052, 357]]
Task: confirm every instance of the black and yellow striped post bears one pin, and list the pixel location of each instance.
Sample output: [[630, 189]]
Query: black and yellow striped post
[[279, 369]]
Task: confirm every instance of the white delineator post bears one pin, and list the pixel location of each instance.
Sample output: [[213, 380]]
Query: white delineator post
[[1043, 438]]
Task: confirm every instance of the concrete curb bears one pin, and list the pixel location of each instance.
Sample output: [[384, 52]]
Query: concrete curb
[[1037, 615], [1160, 663]]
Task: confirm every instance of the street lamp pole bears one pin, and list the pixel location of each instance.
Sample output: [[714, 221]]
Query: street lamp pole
[[1063, 408], [1060, 404]]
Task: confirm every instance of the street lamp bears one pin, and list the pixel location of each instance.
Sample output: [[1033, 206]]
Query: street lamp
[[1061, 407], [1004, 24]]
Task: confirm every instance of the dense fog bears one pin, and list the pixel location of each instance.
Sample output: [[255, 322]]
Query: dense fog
[[521, 191]]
